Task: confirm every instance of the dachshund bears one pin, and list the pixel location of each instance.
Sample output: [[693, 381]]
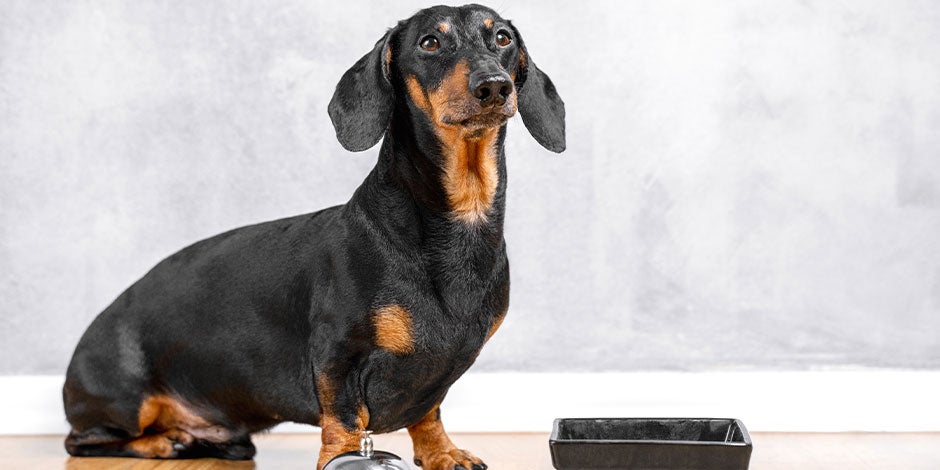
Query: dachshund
[[356, 317]]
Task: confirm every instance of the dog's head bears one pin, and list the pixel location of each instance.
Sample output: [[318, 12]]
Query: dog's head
[[463, 68]]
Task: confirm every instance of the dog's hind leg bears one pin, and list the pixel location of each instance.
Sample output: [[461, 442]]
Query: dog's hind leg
[[105, 442], [99, 441], [148, 439], [238, 448], [170, 444], [160, 427]]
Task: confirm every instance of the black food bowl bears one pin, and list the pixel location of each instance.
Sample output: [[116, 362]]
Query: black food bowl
[[650, 443]]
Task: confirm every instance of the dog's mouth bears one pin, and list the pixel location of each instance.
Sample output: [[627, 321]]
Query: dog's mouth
[[475, 117], [485, 120]]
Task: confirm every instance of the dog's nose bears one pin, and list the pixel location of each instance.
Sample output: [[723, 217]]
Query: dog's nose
[[492, 90]]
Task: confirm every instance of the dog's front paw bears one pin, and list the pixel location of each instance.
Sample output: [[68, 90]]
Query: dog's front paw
[[454, 459]]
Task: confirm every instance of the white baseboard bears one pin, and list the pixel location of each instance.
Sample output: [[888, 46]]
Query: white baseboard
[[816, 401]]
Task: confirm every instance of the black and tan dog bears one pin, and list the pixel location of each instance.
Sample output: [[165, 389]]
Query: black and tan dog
[[356, 317]]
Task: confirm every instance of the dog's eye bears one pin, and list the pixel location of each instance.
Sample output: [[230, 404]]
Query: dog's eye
[[430, 43], [503, 39]]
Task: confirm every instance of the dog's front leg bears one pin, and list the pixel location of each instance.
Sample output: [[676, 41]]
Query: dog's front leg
[[336, 438], [435, 451], [341, 424]]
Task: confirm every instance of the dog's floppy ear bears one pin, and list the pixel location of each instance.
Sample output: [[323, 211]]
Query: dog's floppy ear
[[542, 110], [362, 103]]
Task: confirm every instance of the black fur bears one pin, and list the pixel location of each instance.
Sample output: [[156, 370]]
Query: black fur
[[362, 105], [241, 325], [541, 108]]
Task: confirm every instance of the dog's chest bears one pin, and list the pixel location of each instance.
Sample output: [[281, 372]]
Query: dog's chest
[[404, 384], [435, 311]]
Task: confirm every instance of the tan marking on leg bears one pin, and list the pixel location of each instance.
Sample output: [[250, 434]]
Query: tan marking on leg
[[393, 330], [159, 446], [163, 413], [496, 324], [325, 393], [433, 448], [488, 23], [336, 438], [151, 447], [388, 60], [149, 412]]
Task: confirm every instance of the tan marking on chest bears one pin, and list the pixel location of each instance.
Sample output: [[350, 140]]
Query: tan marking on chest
[[470, 172], [471, 176], [393, 330]]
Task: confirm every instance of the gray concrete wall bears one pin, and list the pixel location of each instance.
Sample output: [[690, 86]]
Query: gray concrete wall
[[747, 184]]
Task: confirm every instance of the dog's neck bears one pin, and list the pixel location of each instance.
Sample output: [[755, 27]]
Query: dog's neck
[[452, 175], [448, 196]]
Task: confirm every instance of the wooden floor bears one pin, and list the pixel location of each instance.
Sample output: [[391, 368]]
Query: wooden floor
[[772, 451]]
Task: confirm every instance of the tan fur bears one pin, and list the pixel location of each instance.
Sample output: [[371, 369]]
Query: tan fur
[[443, 27], [470, 168], [393, 329], [496, 324], [335, 438], [164, 412], [488, 23], [163, 420], [470, 175], [417, 95], [159, 445], [434, 449], [325, 394]]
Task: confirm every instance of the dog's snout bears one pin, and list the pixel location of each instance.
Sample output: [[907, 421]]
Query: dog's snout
[[492, 90]]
